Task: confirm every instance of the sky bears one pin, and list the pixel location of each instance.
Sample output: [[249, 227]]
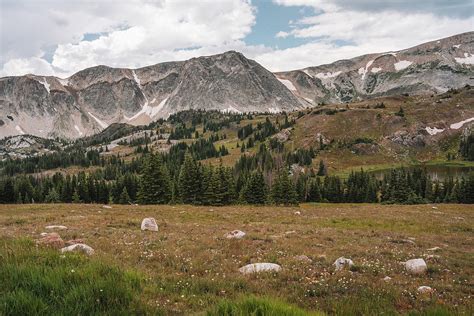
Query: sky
[[59, 37]]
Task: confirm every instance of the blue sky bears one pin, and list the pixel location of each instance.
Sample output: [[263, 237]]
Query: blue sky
[[57, 37]]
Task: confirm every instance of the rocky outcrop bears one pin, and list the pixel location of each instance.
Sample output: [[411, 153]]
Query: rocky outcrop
[[94, 98], [428, 68]]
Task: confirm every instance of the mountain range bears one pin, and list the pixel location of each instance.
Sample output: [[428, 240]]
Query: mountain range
[[94, 98]]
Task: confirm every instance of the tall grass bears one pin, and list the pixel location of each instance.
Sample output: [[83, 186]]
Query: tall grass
[[44, 282], [253, 306]]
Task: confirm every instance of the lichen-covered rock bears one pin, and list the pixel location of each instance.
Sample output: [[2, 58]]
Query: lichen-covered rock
[[149, 224], [61, 227], [235, 234], [416, 266], [260, 267], [82, 248], [51, 240], [425, 289], [342, 263]]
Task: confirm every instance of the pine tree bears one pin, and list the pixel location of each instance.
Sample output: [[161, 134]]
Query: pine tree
[[52, 197], [155, 185], [254, 190], [124, 197], [283, 190], [189, 181], [322, 171]]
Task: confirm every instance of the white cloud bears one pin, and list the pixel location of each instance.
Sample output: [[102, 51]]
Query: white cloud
[[334, 33], [50, 38], [135, 33]]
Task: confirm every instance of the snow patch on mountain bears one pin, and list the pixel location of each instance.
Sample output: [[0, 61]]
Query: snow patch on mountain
[[102, 124], [402, 64], [375, 70], [287, 84], [458, 125], [20, 130], [78, 130], [231, 109], [457, 46], [467, 60], [328, 75], [363, 71], [45, 84], [64, 82], [434, 130], [274, 110]]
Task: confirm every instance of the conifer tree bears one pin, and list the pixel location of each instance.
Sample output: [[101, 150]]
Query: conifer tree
[[189, 181], [124, 197], [155, 185]]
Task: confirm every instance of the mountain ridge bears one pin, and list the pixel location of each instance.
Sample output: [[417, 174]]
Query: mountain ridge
[[93, 98]]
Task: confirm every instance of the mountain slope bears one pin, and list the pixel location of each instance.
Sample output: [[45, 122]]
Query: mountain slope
[[94, 98], [428, 68]]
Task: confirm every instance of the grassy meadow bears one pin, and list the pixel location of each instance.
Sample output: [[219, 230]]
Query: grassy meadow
[[188, 267]]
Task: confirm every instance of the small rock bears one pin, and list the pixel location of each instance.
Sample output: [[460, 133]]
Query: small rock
[[260, 267], [51, 240], [416, 266], [149, 224], [342, 262], [387, 278], [297, 213], [434, 208], [432, 257], [106, 206], [235, 234], [434, 249], [56, 227], [79, 248], [425, 289], [44, 234], [303, 258], [74, 241]]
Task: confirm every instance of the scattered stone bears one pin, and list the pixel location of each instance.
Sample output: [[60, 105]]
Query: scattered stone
[[434, 249], [342, 262], [56, 227], [416, 266], [425, 289], [149, 224], [74, 241], [79, 248], [434, 208], [303, 258], [51, 240], [43, 234], [235, 234], [260, 267], [459, 218], [387, 278], [297, 213], [432, 257], [106, 206]]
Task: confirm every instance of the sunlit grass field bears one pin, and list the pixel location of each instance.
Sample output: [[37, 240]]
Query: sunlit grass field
[[188, 267]]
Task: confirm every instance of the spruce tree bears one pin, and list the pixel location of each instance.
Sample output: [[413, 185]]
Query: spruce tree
[[189, 181], [124, 197]]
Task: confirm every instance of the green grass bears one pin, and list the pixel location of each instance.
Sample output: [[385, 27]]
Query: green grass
[[44, 282], [253, 306]]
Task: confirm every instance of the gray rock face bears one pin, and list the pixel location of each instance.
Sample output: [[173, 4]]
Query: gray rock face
[[94, 98], [429, 68]]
